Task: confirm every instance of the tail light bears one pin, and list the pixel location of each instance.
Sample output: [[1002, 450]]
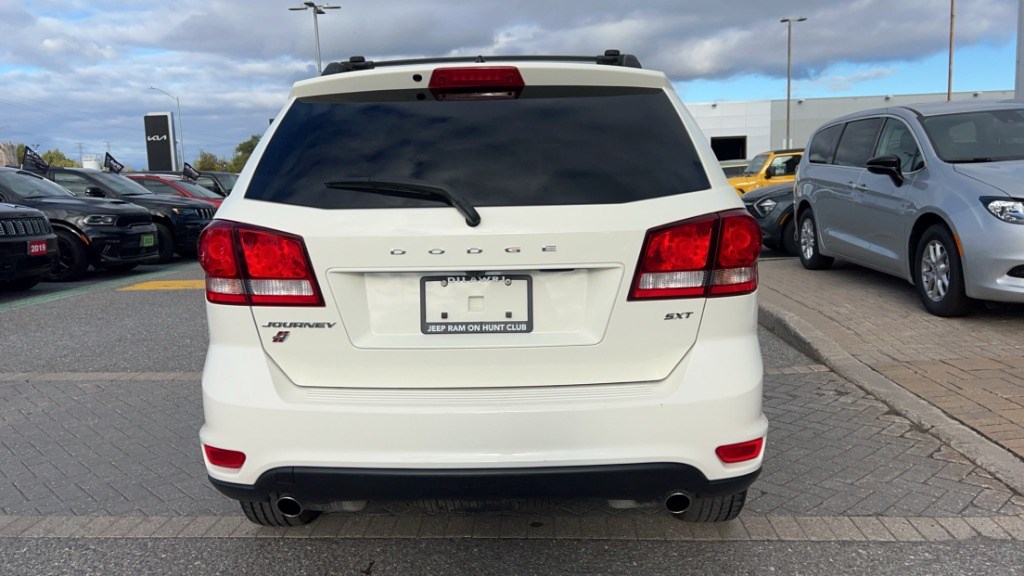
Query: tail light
[[251, 266], [713, 255], [477, 82]]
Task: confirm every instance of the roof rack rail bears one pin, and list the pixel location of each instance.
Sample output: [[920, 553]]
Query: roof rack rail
[[609, 58]]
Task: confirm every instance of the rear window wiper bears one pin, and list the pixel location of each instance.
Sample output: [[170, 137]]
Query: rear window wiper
[[413, 189]]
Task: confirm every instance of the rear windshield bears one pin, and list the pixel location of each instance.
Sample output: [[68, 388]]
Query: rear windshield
[[549, 146]]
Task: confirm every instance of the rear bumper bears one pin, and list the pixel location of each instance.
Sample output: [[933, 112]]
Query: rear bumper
[[318, 488]]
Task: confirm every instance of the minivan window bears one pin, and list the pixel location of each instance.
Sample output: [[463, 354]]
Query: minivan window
[[897, 140], [857, 143], [549, 146], [983, 136], [824, 144]]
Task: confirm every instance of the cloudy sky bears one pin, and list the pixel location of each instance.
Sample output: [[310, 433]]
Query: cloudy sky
[[76, 72]]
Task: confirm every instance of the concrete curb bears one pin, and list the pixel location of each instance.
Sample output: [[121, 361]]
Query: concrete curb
[[998, 461]]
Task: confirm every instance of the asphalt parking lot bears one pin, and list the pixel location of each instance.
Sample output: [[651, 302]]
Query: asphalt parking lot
[[100, 472]]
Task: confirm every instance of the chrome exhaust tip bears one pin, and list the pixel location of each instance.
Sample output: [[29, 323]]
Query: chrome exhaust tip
[[289, 507], [678, 502]]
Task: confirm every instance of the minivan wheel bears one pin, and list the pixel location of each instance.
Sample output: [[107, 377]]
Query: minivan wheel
[[939, 275], [267, 514], [72, 258], [810, 257], [714, 508]]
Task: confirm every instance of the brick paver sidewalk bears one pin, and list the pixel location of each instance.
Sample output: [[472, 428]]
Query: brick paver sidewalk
[[972, 368]]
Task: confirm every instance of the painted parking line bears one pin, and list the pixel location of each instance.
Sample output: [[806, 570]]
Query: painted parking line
[[165, 285], [95, 287]]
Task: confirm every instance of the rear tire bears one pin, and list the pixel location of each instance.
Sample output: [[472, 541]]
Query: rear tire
[[164, 242], [939, 274], [72, 258], [266, 514], [810, 256], [715, 508]]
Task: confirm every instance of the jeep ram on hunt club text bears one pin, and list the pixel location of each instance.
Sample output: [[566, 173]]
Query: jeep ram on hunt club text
[[475, 278]]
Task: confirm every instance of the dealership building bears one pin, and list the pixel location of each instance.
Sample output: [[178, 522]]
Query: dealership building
[[739, 130]]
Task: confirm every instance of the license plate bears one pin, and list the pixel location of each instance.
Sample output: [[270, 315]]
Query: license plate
[[37, 248], [476, 304], [147, 240]]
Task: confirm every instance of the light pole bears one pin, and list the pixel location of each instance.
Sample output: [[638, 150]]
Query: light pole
[[181, 133], [789, 63], [317, 9], [952, 22]]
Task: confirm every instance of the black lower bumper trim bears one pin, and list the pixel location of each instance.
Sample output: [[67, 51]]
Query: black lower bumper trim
[[319, 487]]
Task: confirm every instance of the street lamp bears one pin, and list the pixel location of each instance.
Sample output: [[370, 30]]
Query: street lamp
[[789, 62], [317, 9], [952, 26], [181, 133]]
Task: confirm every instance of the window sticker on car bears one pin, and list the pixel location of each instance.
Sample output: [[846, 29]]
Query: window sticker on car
[[476, 304]]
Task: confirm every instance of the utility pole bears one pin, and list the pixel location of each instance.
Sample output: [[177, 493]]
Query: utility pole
[[952, 27], [789, 76], [317, 9], [81, 159]]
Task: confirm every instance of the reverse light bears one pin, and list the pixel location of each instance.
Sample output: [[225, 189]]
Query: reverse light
[[246, 265], [224, 458], [712, 255], [741, 452]]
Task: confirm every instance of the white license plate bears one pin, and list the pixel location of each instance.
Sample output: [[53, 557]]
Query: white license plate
[[476, 304]]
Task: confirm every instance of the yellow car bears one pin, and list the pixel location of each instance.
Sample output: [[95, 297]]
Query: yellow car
[[774, 167]]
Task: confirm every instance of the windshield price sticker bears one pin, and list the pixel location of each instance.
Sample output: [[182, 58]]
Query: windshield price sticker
[[476, 304]]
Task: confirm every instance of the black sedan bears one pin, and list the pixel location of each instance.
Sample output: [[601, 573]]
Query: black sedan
[[772, 206]]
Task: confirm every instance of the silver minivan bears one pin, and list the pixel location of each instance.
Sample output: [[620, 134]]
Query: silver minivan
[[933, 193]]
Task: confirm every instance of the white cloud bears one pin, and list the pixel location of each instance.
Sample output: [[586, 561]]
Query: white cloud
[[79, 71]]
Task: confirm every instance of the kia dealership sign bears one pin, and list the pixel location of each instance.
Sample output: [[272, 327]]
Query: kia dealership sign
[[161, 153]]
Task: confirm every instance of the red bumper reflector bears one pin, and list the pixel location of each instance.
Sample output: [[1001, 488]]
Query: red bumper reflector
[[224, 458], [742, 452]]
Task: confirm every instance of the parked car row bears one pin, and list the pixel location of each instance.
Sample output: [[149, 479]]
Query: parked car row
[[97, 219]]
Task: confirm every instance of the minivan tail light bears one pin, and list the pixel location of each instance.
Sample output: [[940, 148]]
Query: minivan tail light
[[712, 255], [247, 265], [224, 458]]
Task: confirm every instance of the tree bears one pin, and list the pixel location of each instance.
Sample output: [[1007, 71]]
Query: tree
[[207, 162], [242, 153], [57, 159]]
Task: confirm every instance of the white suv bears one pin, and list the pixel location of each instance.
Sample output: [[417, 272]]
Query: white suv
[[493, 277]]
